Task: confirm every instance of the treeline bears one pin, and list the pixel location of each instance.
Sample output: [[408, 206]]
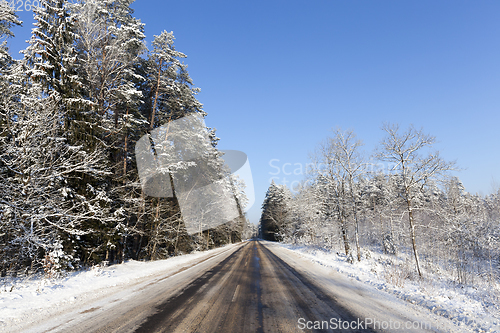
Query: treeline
[[406, 203], [71, 111]]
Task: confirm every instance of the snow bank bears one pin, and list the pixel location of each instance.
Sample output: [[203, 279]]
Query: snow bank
[[470, 308], [35, 298]]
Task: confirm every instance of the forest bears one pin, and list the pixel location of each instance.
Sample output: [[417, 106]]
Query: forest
[[403, 201], [86, 90]]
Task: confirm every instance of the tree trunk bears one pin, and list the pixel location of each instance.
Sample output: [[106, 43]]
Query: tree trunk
[[154, 230], [208, 239], [345, 237], [383, 232], [412, 236], [358, 248], [356, 226], [125, 150], [156, 96]]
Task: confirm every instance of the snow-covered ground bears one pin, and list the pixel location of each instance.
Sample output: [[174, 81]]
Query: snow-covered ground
[[369, 288], [470, 309], [24, 302]]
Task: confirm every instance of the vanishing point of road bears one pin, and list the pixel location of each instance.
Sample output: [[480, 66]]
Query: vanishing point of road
[[252, 290]]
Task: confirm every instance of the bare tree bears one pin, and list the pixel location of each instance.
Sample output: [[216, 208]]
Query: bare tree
[[339, 165], [350, 161], [416, 170]]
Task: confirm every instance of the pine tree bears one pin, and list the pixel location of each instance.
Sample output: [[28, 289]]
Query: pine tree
[[170, 88], [51, 54], [8, 19], [71, 113], [39, 165], [9, 101], [109, 43], [274, 212], [52, 62], [169, 97]]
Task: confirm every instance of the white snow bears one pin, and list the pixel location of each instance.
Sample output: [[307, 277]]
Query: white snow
[[469, 309], [24, 302]]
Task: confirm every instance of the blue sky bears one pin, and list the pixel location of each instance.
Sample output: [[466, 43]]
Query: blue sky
[[276, 76]]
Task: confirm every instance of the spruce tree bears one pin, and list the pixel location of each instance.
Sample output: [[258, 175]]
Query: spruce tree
[[51, 54]]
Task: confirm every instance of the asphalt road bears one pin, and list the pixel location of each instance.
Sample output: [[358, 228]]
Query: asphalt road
[[244, 288], [252, 290], [247, 287]]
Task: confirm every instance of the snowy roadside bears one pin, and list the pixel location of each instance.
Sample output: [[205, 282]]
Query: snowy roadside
[[463, 308], [25, 301]]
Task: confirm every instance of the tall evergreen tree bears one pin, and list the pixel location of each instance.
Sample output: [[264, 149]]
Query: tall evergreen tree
[[171, 95], [274, 212], [8, 19], [75, 107], [51, 54]]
